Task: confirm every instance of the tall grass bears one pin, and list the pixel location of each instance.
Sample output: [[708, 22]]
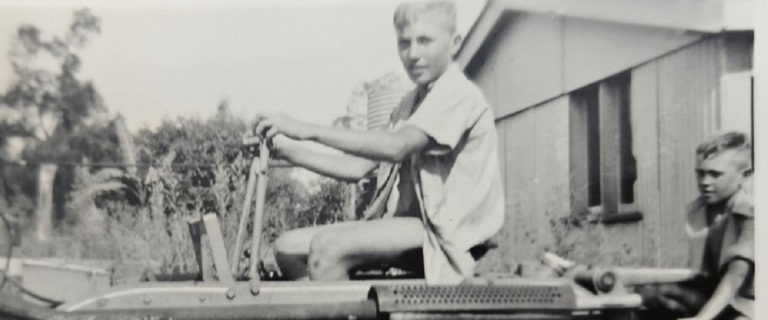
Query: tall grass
[[151, 231]]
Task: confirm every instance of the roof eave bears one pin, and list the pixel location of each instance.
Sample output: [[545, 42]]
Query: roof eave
[[705, 16]]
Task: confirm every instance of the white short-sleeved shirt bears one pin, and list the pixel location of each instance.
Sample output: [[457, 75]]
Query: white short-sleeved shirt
[[456, 180]]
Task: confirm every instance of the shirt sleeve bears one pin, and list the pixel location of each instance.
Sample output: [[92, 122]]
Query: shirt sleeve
[[744, 220], [744, 246], [445, 117]]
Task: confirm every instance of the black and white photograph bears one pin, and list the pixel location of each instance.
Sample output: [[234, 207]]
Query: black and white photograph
[[383, 159]]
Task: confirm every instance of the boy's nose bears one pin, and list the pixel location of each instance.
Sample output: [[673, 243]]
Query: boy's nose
[[414, 53], [413, 57]]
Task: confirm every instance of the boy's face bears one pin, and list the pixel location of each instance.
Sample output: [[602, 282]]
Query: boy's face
[[719, 176], [426, 48]]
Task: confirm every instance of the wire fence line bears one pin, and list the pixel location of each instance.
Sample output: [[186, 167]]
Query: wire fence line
[[274, 163]]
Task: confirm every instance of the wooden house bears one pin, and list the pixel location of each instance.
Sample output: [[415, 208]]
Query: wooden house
[[599, 106]]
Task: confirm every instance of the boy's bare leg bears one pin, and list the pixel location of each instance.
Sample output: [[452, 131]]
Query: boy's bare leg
[[292, 250], [329, 252], [335, 251]]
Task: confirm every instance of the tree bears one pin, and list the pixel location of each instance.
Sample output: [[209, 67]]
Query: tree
[[54, 104], [209, 167], [60, 117], [199, 148], [327, 204]]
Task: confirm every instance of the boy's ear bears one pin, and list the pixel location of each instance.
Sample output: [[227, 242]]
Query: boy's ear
[[456, 45]]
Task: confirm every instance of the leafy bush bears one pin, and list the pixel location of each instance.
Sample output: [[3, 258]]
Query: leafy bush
[[112, 214]]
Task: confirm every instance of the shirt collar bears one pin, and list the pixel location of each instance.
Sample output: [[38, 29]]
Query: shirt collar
[[450, 73], [740, 203]]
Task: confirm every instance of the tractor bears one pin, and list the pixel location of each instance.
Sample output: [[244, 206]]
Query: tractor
[[565, 290]]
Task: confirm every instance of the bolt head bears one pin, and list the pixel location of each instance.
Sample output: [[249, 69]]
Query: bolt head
[[230, 294]]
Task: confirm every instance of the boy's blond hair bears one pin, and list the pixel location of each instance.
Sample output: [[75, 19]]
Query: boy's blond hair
[[409, 12], [736, 141]]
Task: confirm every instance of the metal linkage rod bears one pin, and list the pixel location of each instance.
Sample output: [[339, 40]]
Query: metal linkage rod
[[252, 176], [258, 217]]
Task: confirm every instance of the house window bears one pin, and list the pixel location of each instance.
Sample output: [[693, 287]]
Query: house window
[[602, 167]]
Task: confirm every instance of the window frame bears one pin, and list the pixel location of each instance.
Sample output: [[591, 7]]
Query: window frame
[[602, 159]]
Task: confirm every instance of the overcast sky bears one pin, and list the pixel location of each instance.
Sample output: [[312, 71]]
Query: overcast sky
[[158, 59]]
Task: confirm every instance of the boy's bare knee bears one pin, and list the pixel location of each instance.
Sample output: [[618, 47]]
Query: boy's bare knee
[[325, 245], [289, 243], [325, 253], [283, 244]]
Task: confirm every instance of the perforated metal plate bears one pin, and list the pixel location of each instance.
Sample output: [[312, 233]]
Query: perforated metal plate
[[486, 298]]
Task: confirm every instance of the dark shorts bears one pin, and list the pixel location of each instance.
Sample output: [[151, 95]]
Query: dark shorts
[[410, 264], [411, 261], [691, 295]]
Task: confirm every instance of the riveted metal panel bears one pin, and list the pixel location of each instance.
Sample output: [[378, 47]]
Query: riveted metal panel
[[527, 295]]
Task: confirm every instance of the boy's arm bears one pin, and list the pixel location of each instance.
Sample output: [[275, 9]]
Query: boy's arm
[[338, 166], [729, 285], [376, 145]]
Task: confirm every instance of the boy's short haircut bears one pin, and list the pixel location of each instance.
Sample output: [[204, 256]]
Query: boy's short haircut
[[720, 143], [409, 12]]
